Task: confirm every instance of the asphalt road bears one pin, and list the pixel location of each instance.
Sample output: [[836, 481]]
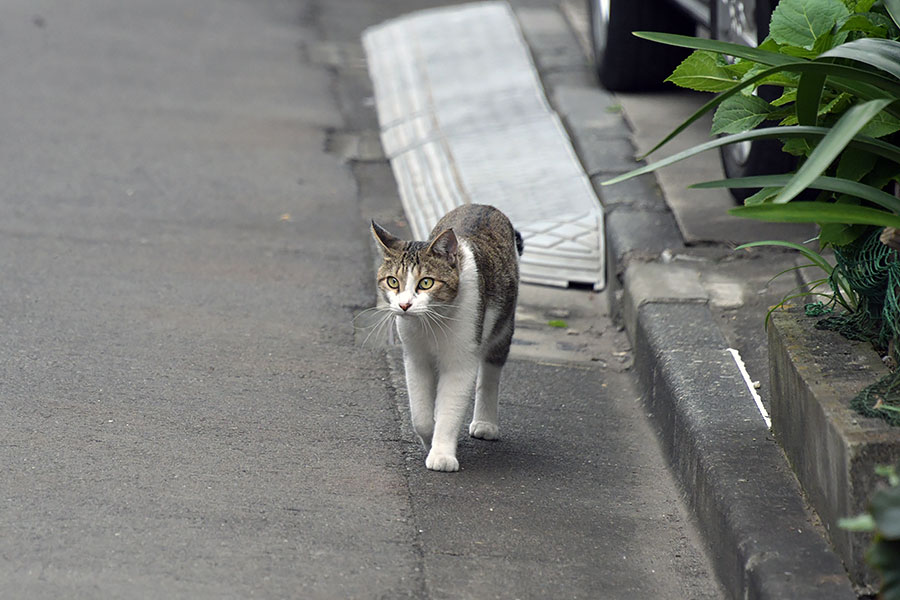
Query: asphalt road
[[185, 411]]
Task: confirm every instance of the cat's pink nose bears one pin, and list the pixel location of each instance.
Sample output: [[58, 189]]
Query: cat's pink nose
[[405, 306]]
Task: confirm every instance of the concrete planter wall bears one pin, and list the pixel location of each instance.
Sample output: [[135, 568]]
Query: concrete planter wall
[[832, 449]]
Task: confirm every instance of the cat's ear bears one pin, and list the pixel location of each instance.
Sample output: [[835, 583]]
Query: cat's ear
[[385, 241], [445, 245]]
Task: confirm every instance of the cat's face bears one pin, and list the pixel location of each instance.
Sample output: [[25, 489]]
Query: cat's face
[[417, 277]]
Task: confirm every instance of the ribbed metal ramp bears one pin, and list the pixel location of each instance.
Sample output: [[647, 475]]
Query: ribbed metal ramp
[[464, 119]]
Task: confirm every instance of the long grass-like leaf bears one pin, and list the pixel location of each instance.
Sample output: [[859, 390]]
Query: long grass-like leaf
[[817, 212], [843, 292], [868, 144], [840, 134], [763, 57], [881, 54], [893, 8], [832, 184], [809, 92], [863, 84], [810, 254]]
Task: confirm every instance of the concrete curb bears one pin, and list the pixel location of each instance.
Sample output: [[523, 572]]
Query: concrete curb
[[748, 504], [737, 481]]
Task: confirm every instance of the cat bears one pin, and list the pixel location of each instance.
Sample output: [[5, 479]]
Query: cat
[[454, 300]]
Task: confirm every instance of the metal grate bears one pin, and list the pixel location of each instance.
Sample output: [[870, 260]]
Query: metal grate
[[464, 119]]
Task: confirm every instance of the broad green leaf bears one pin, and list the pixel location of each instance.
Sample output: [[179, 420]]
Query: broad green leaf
[[830, 146], [884, 172], [832, 184], [871, 24], [788, 96], [701, 71], [863, 6], [863, 522], [740, 113], [797, 147], [854, 164], [884, 555], [829, 40], [817, 212], [839, 234], [885, 509], [851, 79], [801, 22], [881, 125], [799, 52], [837, 104]]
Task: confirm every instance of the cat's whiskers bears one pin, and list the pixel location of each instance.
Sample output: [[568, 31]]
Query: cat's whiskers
[[426, 321], [432, 306], [386, 318], [438, 320]]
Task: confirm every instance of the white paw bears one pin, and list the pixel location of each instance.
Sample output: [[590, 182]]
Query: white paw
[[484, 430], [441, 462]]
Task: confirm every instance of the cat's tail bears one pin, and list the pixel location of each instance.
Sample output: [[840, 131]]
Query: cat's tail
[[520, 244]]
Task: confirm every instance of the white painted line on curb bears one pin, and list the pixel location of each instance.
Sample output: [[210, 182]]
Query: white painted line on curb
[[749, 382]]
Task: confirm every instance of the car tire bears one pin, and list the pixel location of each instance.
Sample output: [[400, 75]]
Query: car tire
[[625, 63], [761, 157]]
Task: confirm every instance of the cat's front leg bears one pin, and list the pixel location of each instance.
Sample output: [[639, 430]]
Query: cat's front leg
[[485, 423], [454, 392], [421, 385]]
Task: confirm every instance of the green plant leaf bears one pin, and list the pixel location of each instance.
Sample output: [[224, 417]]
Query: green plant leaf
[[884, 555], [839, 234], [885, 509], [817, 212], [832, 184], [893, 9], [701, 71], [740, 113], [809, 93], [863, 522], [763, 195], [881, 54], [879, 147], [872, 24], [862, 83], [810, 254], [737, 50], [787, 96], [881, 125], [830, 146], [854, 165], [802, 22]]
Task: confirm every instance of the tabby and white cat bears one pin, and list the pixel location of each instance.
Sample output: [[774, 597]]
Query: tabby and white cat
[[454, 298]]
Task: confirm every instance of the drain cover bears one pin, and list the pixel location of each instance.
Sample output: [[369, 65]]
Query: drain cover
[[464, 119]]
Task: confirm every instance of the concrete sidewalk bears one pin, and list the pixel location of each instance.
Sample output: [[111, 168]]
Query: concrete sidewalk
[[183, 412]]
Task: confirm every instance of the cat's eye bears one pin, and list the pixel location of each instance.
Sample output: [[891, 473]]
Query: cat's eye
[[392, 283], [425, 283]]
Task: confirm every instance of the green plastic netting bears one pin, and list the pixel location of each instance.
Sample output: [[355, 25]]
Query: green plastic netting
[[873, 271]]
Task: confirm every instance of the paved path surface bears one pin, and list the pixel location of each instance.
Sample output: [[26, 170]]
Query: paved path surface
[[184, 409]]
